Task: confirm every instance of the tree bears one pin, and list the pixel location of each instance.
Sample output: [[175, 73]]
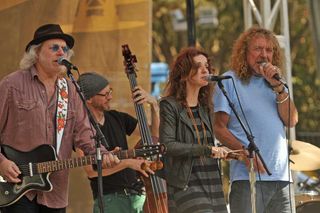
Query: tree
[[217, 41]]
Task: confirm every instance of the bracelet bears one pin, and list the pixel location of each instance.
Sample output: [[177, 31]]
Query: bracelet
[[280, 102], [274, 86], [278, 93]]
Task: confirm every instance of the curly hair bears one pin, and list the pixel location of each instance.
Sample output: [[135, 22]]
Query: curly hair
[[183, 67], [240, 49]]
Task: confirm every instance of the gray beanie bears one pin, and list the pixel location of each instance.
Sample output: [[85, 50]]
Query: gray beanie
[[91, 84]]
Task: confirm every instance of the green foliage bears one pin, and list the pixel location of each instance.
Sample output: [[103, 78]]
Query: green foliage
[[304, 74], [217, 41]]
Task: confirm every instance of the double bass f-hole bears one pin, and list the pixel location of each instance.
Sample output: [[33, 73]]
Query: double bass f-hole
[[156, 198]]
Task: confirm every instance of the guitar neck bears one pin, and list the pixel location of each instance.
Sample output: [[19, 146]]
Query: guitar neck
[[51, 166]]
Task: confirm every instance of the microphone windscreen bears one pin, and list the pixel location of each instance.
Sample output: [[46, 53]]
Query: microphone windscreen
[[60, 60], [263, 64]]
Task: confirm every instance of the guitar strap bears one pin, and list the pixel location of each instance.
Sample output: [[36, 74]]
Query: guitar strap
[[62, 109]]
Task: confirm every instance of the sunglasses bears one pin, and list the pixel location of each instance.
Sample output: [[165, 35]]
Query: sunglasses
[[106, 94], [56, 48]]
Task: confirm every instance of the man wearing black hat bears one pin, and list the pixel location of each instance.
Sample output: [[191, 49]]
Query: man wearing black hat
[[38, 107], [122, 190]]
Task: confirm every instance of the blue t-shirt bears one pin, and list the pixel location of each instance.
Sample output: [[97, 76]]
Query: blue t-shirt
[[260, 108]]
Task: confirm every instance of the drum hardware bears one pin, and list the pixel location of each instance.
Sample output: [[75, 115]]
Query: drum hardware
[[308, 197], [305, 186], [304, 156], [307, 203]]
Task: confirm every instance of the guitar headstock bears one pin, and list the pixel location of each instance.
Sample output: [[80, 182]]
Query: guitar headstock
[[151, 150], [129, 60]]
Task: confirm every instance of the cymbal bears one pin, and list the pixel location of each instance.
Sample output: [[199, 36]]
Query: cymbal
[[306, 157]]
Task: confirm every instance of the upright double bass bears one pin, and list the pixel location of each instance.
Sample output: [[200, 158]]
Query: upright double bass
[[156, 196]]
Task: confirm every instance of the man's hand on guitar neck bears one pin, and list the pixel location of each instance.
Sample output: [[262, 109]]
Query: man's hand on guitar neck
[[109, 160], [10, 171]]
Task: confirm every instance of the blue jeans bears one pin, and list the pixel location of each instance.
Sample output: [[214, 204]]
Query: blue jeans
[[121, 203], [271, 197]]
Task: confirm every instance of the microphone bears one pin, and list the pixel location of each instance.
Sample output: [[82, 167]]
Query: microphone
[[276, 76], [211, 77], [68, 64]]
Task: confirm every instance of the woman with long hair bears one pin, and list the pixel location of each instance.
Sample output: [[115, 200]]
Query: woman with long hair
[[192, 172]]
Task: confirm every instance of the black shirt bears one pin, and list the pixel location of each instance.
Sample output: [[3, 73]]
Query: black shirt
[[116, 127]]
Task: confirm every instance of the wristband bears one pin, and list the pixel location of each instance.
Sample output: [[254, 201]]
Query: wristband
[[283, 100], [274, 86]]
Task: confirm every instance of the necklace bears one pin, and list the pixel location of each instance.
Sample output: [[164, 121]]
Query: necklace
[[194, 123], [101, 120], [196, 128]]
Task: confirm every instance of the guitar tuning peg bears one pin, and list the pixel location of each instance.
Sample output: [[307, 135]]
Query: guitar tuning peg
[[134, 59]]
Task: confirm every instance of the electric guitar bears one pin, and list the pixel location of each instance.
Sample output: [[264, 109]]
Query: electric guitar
[[37, 164]]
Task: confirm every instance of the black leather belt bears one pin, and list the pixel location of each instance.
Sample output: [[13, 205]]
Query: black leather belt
[[125, 191]]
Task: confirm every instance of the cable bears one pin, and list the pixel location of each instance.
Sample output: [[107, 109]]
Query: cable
[[248, 126], [288, 136]]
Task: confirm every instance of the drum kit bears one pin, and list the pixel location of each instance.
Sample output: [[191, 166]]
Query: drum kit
[[305, 160]]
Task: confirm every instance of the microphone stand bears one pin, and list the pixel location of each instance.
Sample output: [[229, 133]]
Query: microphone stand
[[252, 148], [99, 138]]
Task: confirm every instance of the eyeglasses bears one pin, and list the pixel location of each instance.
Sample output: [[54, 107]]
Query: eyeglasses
[[107, 94], [56, 48]]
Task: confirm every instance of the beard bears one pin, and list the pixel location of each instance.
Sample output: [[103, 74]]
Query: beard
[[253, 71], [62, 72], [100, 106]]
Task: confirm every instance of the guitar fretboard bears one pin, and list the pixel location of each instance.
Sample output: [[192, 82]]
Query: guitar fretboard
[[56, 165], [51, 166]]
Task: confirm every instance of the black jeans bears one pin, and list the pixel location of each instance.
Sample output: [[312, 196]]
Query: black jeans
[[26, 206]]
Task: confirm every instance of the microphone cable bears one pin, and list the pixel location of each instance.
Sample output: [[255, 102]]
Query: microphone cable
[[288, 136], [250, 131], [289, 145]]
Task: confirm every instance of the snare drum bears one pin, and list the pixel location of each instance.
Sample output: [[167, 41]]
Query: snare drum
[[307, 203]]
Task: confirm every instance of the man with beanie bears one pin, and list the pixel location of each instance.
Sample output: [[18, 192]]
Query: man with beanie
[[122, 190], [39, 107]]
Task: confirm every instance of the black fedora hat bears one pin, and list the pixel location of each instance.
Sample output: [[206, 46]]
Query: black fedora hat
[[50, 31]]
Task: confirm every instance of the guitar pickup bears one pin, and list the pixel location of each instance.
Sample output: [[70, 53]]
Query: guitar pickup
[[30, 169]]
